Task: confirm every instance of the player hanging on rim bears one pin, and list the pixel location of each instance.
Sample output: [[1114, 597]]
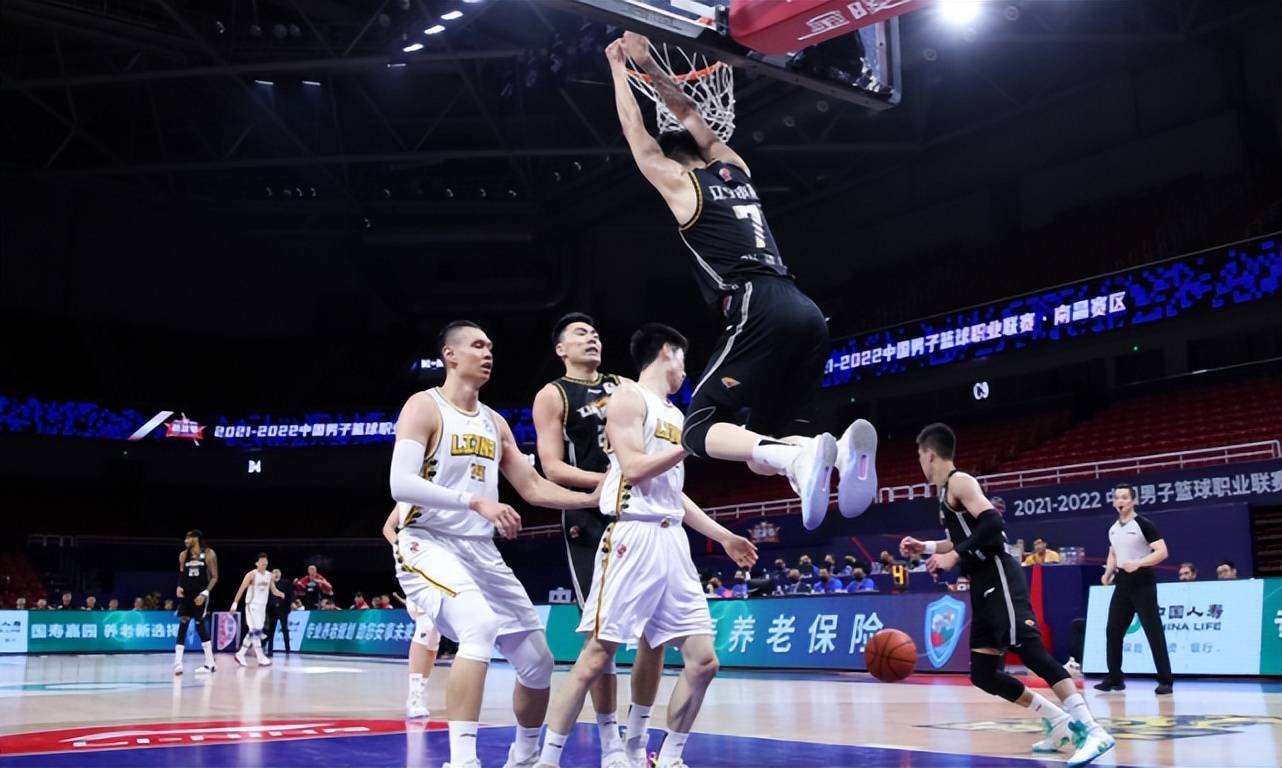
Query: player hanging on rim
[[769, 362], [449, 451], [258, 583], [645, 585], [198, 573], [569, 418], [1003, 616]]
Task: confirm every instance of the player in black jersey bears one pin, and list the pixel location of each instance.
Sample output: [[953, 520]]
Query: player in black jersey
[[1003, 618], [769, 362], [198, 573], [569, 418]]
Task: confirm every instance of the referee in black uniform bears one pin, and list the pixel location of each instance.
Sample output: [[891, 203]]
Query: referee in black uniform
[[1135, 546]]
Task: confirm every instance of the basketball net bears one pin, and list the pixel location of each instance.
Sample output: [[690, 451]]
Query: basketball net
[[709, 84]]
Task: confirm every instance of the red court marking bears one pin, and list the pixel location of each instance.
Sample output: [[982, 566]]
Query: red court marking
[[145, 735]]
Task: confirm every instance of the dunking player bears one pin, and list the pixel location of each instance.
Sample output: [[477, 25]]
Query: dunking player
[[569, 417], [198, 573], [449, 451], [645, 584], [770, 360], [1003, 617], [258, 583], [427, 639]]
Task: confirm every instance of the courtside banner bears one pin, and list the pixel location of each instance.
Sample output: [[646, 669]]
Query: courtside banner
[[1212, 628], [813, 632], [106, 631]]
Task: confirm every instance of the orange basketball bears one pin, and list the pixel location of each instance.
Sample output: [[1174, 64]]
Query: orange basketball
[[891, 655]]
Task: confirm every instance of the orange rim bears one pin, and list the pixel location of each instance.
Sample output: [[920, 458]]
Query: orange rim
[[697, 74]]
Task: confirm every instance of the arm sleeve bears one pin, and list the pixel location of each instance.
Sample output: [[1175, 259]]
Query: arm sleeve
[[408, 486], [1148, 529], [985, 534]]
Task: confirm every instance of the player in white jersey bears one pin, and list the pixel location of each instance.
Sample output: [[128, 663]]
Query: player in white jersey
[[427, 638], [257, 583], [645, 584], [449, 451]]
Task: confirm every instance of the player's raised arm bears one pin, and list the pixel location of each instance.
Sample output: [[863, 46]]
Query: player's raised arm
[[637, 47], [549, 418], [532, 486], [665, 174]]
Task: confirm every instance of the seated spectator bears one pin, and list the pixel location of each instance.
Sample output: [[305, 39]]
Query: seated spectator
[[169, 604], [830, 562], [714, 588], [20, 604], [916, 565], [741, 588], [1226, 570], [1041, 555], [91, 604], [42, 604], [807, 568], [860, 582], [297, 605], [385, 602], [884, 562], [826, 583], [114, 605], [358, 603], [65, 605], [848, 565], [328, 604], [138, 604], [1188, 572], [780, 570], [794, 585]]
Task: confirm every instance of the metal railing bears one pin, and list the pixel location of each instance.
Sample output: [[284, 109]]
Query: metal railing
[[1024, 478]]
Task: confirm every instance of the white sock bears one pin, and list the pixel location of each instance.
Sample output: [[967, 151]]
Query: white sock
[[1077, 708], [673, 743], [774, 454], [527, 742], [178, 654], [462, 741], [208, 647], [417, 683], [553, 746], [638, 730], [608, 729], [1042, 707]]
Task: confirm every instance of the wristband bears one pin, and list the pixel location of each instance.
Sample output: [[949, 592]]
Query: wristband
[[204, 593], [929, 547]]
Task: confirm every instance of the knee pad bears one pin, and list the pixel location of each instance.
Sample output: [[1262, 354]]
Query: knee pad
[[695, 431], [476, 639], [1041, 663], [987, 675], [182, 629], [530, 657], [425, 633]]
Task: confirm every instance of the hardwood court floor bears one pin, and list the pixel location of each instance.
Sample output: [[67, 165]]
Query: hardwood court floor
[[98, 710]]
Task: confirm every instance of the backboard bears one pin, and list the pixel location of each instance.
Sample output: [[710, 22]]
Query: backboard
[[862, 66]]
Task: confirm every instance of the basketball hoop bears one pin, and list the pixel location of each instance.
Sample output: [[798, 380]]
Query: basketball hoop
[[709, 84]]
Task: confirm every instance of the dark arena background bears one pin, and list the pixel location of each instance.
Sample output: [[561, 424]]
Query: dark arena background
[[231, 231]]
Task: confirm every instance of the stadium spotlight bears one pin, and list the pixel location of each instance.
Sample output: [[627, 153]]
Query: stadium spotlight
[[413, 47], [959, 12], [435, 29], [452, 15]]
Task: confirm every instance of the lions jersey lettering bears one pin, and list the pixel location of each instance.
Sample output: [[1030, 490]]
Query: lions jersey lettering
[[473, 445], [669, 432]]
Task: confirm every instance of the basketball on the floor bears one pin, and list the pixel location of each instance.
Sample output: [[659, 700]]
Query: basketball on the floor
[[891, 655]]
